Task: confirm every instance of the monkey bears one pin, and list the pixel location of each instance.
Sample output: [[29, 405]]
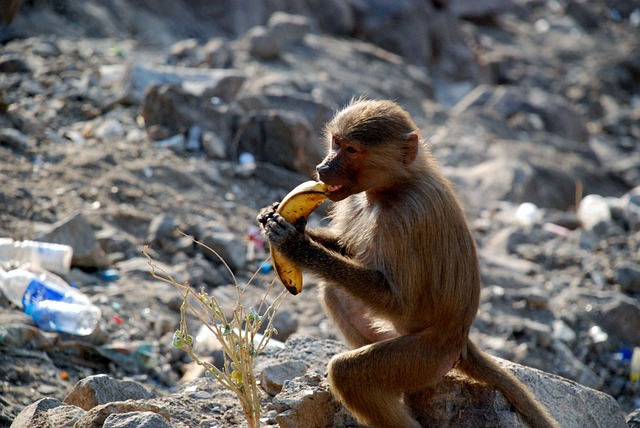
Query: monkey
[[398, 269]]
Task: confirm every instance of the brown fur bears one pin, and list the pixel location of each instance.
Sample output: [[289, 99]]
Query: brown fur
[[399, 269]]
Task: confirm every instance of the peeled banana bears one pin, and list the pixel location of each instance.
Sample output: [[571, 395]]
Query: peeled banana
[[298, 203]]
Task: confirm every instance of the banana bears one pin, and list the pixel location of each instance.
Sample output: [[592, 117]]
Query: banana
[[300, 202]]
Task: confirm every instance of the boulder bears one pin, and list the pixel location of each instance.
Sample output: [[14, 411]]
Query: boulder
[[557, 115], [76, 232], [461, 403], [279, 137], [47, 412], [101, 389]]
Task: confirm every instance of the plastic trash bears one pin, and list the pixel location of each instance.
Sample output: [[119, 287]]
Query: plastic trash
[[52, 257], [593, 210], [527, 213], [52, 303], [255, 244]]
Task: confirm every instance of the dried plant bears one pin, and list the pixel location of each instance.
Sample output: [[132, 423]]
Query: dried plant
[[237, 333]]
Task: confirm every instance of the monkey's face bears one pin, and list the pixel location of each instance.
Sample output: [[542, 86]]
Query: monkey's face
[[340, 167], [348, 169]]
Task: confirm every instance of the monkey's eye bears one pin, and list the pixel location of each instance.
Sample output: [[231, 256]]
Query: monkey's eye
[[351, 150]]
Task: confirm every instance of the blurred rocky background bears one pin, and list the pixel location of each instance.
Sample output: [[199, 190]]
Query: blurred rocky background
[[124, 121]]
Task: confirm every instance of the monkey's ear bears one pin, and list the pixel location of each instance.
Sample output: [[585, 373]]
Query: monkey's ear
[[411, 144]]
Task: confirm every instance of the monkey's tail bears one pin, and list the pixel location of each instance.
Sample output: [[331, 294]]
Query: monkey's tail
[[479, 366]]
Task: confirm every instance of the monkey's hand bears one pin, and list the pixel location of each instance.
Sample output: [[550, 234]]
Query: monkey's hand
[[266, 213], [287, 238]]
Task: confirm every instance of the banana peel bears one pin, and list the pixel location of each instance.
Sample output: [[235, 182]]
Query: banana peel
[[298, 203]]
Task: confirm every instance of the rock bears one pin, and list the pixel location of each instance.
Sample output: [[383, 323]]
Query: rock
[[14, 139], [213, 146], [633, 419], [335, 17], [286, 323], [460, 402], [469, 9], [217, 54], [563, 332], [518, 173], [628, 276], [162, 227], [136, 420], [615, 312], [228, 248], [558, 116], [572, 368], [264, 43], [632, 209], [174, 110], [9, 11], [620, 318], [583, 15], [16, 332], [305, 402], [440, 39], [98, 415], [183, 49], [317, 111], [314, 352], [109, 129], [457, 401], [273, 377], [46, 48], [76, 232], [281, 138], [290, 28], [12, 64], [277, 176], [133, 82], [47, 412], [102, 389]]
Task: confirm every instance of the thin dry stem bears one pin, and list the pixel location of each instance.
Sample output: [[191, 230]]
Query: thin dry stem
[[236, 334]]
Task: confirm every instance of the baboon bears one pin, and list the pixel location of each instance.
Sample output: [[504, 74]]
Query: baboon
[[398, 267]]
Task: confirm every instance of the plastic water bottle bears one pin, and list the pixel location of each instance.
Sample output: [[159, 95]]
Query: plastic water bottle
[[53, 257], [52, 303]]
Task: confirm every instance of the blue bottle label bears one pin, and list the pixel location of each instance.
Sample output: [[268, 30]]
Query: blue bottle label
[[37, 291]]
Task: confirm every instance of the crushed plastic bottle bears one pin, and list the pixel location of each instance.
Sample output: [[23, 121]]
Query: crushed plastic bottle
[[255, 244], [52, 303], [52, 257]]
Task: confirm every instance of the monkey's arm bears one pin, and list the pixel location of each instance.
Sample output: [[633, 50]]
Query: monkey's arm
[[368, 285], [322, 236], [327, 239]]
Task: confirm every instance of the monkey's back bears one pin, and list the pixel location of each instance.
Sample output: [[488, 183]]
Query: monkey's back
[[417, 235]]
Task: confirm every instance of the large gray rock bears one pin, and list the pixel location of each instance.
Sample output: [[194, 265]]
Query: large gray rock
[[279, 137], [617, 313], [557, 115], [47, 410], [169, 109], [471, 9], [461, 403], [101, 389], [306, 401], [130, 83], [455, 402], [76, 232]]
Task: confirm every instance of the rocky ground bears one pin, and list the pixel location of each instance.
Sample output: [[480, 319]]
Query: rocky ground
[[120, 123]]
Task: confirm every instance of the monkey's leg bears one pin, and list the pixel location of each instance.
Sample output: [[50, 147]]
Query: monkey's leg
[[350, 316], [370, 381]]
